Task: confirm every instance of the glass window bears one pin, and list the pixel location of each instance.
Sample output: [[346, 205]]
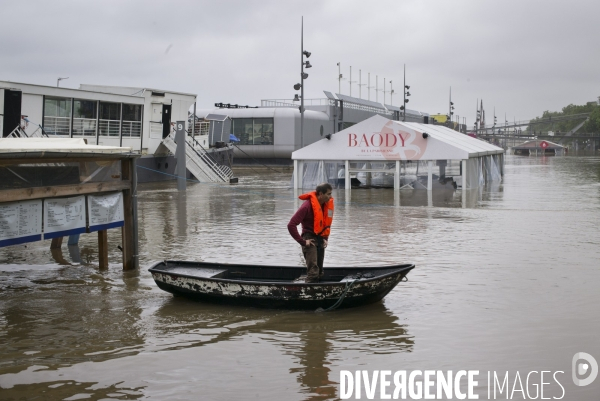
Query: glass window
[[110, 111], [57, 107], [132, 112], [84, 109], [110, 116], [242, 129], [263, 131], [84, 117], [257, 131], [132, 120], [57, 115]]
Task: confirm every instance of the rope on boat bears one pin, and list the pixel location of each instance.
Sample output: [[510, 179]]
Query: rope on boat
[[336, 305]]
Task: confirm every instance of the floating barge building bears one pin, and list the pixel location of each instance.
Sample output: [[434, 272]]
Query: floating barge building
[[139, 118]]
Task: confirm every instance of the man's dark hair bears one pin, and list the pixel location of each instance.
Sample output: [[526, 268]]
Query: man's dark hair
[[323, 188]]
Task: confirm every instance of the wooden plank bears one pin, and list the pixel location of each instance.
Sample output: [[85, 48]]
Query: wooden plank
[[103, 249], [11, 195], [56, 243], [73, 159], [127, 231]]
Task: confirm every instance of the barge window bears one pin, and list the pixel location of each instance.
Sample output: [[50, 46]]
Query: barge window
[[132, 120], [84, 117], [110, 118], [253, 131], [57, 115]]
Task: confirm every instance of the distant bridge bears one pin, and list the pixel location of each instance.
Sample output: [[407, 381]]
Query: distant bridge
[[504, 131], [533, 123]]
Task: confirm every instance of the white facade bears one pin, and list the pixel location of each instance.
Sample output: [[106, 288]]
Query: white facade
[[143, 135], [286, 129]]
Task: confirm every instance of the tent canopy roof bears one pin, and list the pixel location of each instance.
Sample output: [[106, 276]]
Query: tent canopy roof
[[381, 139]]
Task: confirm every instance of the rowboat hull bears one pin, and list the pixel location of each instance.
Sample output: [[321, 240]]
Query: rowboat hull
[[276, 286]]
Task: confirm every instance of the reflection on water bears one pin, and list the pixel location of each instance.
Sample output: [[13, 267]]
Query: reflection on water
[[505, 280]]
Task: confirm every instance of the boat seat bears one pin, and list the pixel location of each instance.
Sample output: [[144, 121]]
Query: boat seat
[[357, 276], [301, 279], [204, 273]]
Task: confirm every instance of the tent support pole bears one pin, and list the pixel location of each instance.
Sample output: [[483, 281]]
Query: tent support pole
[[464, 183], [429, 175], [397, 176], [347, 183]]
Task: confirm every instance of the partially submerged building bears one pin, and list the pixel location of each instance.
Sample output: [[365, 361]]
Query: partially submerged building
[[538, 147], [383, 152], [140, 118]]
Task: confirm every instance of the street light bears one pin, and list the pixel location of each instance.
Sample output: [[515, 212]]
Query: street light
[[340, 77], [60, 79], [391, 94], [406, 94], [450, 107], [303, 76]]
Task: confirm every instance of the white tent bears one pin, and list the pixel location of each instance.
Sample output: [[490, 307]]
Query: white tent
[[384, 152]]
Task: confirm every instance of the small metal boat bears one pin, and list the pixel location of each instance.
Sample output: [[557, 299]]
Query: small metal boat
[[277, 286]]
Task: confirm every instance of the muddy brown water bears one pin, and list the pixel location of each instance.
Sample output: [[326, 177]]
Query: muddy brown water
[[507, 283]]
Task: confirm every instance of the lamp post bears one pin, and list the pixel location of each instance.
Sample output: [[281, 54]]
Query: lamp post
[[406, 94], [303, 76], [60, 79], [477, 118], [339, 78], [450, 106], [391, 93]]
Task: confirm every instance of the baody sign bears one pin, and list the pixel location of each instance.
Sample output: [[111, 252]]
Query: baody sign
[[392, 142], [380, 139], [461, 385]]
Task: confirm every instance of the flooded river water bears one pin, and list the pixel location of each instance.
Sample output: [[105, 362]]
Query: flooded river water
[[508, 282]]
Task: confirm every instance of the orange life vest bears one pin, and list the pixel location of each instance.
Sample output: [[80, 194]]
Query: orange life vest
[[323, 216]]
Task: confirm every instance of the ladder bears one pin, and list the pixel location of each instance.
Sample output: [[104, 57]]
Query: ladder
[[198, 161]]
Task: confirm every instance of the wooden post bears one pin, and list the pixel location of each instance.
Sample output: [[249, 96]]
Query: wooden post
[[103, 249], [127, 237], [56, 243]]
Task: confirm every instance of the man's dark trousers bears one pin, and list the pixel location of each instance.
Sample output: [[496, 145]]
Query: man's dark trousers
[[314, 256]]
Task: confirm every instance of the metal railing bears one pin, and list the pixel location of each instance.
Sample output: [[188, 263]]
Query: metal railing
[[109, 127], [224, 172], [532, 122], [57, 125], [201, 128], [156, 129], [17, 133], [84, 126], [131, 128], [290, 102], [199, 162]]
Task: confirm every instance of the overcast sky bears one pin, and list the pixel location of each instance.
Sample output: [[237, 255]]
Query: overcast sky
[[521, 57]]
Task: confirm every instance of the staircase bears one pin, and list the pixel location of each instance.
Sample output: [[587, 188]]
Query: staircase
[[573, 130], [199, 162]]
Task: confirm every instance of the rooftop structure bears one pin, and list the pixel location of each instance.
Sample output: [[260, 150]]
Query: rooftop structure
[[538, 146]]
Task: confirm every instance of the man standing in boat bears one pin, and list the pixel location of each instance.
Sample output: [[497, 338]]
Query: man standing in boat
[[315, 215]]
